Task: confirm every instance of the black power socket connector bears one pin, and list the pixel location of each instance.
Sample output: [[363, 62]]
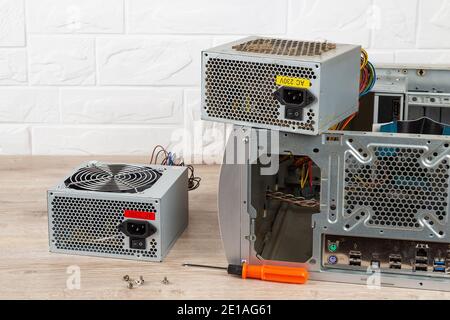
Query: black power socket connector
[[137, 231]]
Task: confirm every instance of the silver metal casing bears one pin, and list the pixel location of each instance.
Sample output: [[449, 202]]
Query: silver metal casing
[[86, 222], [239, 87], [422, 216]]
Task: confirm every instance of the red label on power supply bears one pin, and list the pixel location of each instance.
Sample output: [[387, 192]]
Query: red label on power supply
[[139, 214]]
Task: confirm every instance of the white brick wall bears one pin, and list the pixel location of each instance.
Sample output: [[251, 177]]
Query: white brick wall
[[119, 76]]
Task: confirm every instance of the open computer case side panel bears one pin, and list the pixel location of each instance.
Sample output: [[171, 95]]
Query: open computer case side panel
[[300, 238]]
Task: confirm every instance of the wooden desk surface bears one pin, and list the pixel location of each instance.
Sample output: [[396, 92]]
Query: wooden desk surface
[[28, 270]]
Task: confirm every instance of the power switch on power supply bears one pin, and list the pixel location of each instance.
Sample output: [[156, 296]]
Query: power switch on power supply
[[137, 243]]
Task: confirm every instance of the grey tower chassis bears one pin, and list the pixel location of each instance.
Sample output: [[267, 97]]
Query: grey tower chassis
[[382, 218]]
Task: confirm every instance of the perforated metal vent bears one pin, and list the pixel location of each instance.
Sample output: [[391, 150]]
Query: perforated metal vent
[[244, 91], [396, 189], [90, 225], [285, 47], [113, 178]]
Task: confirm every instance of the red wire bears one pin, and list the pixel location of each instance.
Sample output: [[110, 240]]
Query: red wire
[[364, 79]]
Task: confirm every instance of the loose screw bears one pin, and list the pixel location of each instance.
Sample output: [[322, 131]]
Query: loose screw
[[165, 281]]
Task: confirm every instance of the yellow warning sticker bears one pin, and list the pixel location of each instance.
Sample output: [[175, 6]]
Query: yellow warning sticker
[[293, 82]]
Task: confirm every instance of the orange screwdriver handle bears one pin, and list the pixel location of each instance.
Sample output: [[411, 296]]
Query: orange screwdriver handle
[[275, 273]]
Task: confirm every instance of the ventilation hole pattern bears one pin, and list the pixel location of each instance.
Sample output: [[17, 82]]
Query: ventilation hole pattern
[[244, 91], [285, 47], [396, 187], [90, 225]]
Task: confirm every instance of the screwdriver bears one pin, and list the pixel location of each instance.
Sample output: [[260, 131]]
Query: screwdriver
[[263, 272]]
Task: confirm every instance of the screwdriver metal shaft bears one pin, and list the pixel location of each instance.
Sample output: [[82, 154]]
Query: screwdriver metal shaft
[[203, 266]]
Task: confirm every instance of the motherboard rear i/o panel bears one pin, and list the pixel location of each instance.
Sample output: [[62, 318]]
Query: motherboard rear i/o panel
[[388, 255]]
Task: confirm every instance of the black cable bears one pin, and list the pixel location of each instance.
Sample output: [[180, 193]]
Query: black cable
[[193, 181]]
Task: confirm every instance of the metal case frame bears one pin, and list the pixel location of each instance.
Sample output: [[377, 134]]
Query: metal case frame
[[417, 86], [241, 192]]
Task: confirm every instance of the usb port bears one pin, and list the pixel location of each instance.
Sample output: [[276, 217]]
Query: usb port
[[421, 260], [395, 261], [439, 262], [438, 269], [395, 258], [420, 267], [354, 258]]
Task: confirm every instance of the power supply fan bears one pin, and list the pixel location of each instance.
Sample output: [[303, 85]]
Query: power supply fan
[[113, 178]]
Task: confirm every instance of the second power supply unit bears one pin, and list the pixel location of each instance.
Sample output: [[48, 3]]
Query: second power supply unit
[[119, 211], [293, 86]]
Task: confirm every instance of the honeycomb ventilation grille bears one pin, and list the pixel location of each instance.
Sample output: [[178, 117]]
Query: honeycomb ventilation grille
[[285, 47], [396, 189], [244, 91], [113, 178], [90, 225]]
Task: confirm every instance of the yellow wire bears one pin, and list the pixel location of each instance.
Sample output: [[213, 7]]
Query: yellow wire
[[301, 176], [364, 58], [305, 179]]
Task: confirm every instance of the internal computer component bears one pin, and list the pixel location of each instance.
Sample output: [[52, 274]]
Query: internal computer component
[[388, 255], [405, 93], [422, 125], [294, 86], [119, 210], [345, 205]]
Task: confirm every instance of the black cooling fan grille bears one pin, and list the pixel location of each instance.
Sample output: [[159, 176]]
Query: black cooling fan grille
[[113, 178]]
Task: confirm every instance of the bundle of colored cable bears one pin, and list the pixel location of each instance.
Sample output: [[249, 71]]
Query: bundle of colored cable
[[169, 159], [368, 75]]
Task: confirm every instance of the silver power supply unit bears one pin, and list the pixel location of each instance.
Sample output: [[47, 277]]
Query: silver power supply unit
[[373, 208], [119, 211], [293, 86]]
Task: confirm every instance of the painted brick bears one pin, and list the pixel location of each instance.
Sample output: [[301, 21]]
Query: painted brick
[[122, 105], [348, 22], [13, 66], [434, 24], [61, 61], [207, 17], [14, 140], [12, 23], [29, 105], [396, 25], [150, 61], [99, 140], [75, 16], [204, 140], [145, 57]]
